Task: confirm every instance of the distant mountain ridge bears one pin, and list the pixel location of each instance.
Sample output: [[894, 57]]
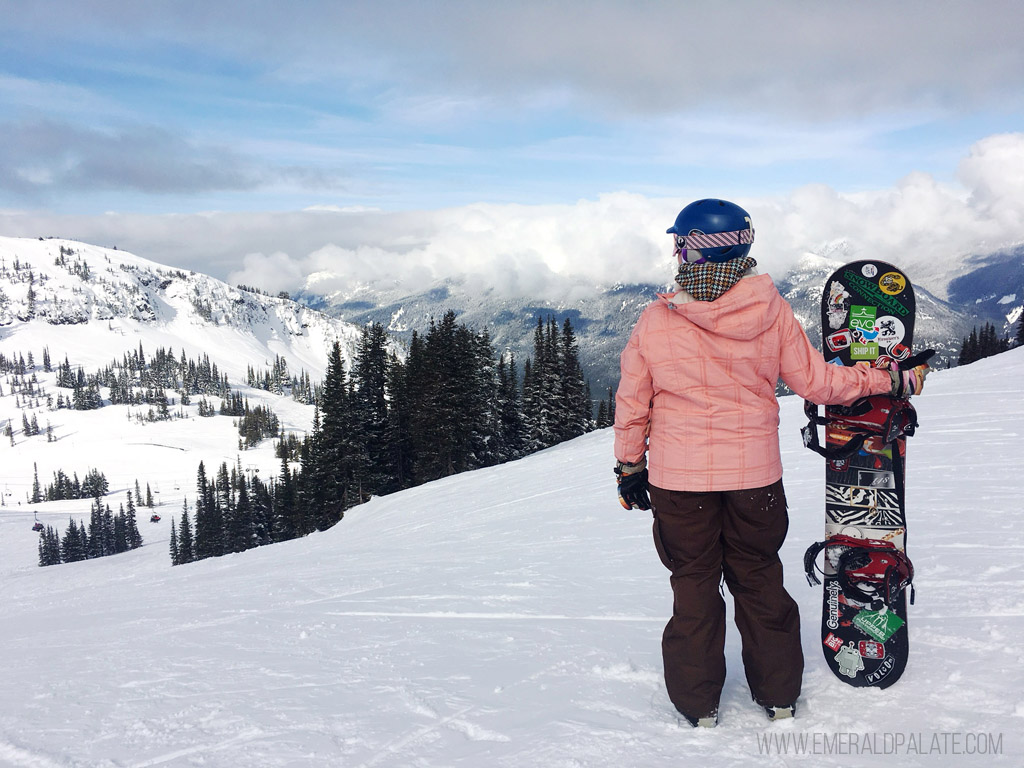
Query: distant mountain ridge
[[76, 284], [604, 317]]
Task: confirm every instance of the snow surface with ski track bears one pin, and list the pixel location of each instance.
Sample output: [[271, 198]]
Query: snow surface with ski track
[[505, 617]]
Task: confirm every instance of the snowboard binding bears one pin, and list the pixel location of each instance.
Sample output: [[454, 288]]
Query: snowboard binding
[[869, 571], [880, 416]]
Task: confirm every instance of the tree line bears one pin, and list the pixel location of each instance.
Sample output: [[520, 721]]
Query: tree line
[[987, 342], [107, 534], [385, 424]]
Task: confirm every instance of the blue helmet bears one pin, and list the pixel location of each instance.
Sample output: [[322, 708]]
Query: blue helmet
[[720, 230]]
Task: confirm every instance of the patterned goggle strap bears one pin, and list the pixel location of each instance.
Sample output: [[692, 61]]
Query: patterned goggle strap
[[697, 240]]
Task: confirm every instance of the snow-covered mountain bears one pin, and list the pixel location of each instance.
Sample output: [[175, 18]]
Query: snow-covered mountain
[[91, 306], [602, 320], [92, 303], [604, 315], [505, 617]]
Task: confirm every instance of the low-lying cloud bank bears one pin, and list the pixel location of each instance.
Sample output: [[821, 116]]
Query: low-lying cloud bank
[[523, 250]]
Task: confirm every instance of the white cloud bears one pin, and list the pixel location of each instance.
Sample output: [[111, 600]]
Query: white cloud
[[272, 273], [994, 172], [817, 60], [538, 250]]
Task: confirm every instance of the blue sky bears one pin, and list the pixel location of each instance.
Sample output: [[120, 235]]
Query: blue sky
[[181, 108]]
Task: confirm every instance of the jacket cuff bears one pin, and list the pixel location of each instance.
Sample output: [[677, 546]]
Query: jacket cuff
[[627, 468]]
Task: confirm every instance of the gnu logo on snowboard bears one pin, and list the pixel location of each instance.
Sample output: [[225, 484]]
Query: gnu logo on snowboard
[[893, 283]]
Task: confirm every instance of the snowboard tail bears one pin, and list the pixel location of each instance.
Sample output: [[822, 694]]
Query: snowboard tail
[[867, 318]]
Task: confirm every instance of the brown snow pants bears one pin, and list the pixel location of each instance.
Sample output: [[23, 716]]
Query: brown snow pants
[[700, 538]]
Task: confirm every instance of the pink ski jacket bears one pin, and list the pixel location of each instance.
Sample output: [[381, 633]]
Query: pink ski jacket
[[698, 387]]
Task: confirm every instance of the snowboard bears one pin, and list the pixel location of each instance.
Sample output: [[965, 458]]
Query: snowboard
[[867, 318]]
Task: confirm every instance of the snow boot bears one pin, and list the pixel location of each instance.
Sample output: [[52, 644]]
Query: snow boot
[[709, 721], [780, 713]]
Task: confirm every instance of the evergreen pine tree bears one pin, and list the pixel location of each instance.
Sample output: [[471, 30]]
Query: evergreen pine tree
[[400, 454], [96, 539], [283, 514], [134, 538], [72, 547], [261, 501], [235, 534], [577, 411], [969, 348], [49, 547], [108, 531], [370, 414], [186, 552], [37, 493], [120, 532], [242, 534], [542, 390], [174, 545], [330, 462], [510, 418], [434, 416], [483, 420], [209, 532]]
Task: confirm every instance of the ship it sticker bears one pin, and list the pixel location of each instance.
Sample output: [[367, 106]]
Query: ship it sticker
[[892, 283], [865, 333]]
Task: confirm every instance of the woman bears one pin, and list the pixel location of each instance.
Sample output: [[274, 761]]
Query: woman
[[697, 392]]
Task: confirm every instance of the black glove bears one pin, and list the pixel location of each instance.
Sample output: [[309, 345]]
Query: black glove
[[633, 485]]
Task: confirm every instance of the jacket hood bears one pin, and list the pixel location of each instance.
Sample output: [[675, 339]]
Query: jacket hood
[[745, 311]]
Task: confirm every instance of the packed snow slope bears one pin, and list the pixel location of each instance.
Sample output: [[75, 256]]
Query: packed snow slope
[[512, 617]]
